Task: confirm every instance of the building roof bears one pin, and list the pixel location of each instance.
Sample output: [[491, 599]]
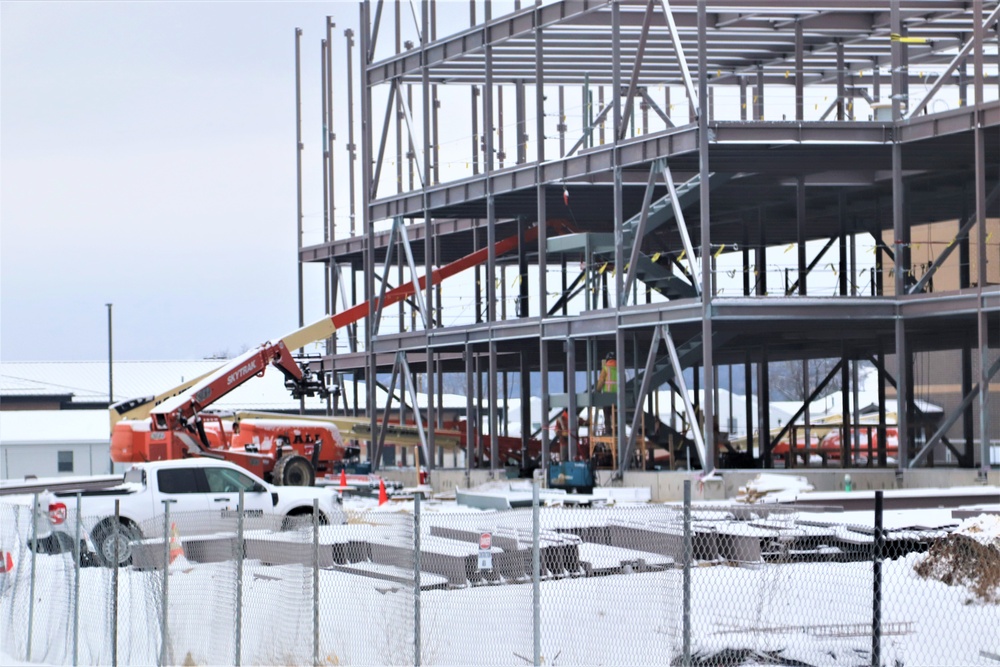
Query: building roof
[[87, 382], [20, 427]]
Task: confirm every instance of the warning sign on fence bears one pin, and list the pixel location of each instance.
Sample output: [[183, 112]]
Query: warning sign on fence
[[486, 551]]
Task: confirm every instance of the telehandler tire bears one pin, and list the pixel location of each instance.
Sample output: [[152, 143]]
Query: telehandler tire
[[293, 470]]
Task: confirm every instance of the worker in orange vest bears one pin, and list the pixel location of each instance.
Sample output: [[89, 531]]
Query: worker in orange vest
[[607, 383]]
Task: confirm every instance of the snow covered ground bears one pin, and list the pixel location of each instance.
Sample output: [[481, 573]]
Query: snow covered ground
[[749, 613]]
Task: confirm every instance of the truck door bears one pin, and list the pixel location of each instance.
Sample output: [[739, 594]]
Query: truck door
[[224, 485], [189, 510]]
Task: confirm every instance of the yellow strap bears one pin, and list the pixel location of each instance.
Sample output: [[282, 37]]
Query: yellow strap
[[719, 251], [895, 37]]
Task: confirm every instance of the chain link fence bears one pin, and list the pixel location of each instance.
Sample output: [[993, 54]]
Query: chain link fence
[[726, 584]]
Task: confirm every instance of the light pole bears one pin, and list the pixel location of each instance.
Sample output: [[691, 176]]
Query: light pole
[[111, 375]]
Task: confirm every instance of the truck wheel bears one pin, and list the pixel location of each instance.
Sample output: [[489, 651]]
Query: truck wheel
[[293, 470], [104, 542]]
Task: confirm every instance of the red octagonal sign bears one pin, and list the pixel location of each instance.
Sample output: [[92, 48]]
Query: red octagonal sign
[[485, 541]]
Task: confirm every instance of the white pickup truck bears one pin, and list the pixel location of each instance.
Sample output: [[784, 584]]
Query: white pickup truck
[[203, 495]]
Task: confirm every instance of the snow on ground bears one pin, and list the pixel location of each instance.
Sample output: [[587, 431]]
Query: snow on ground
[[814, 613]]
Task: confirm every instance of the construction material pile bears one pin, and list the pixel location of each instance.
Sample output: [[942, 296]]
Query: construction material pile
[[969, 557]]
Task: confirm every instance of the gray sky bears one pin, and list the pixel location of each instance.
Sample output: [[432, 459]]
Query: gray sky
[[147, 158]]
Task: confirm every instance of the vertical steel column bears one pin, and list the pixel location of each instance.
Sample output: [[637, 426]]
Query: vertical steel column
[[524, 377], [800, 74], [900, 228], [572, 431], [435, 104], [619, 221], [501, 154], [882, 437], [978, 59], [846, 439], [706, 244], [764, 410], [491, 262], [521, 126], [330, 136], [351, 149], [760, 254], [543, 232], [561, 125], [298, 173], [366, 221], [844, 266], [743, 98], [471, 434], [758, 95], [841, 90], [748, 382], [327, 218], [399, 117], [428, 229], [800, 234]]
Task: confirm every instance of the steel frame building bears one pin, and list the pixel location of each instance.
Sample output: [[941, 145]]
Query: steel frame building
[[665, 190]]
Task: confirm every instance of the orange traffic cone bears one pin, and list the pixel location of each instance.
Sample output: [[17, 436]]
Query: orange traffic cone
[[343, 478], [383, 497], [176, 550]]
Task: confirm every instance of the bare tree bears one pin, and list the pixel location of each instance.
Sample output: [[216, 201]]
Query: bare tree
[[787, 377]]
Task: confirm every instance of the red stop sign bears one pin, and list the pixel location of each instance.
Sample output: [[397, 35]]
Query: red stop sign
[[485, 541]]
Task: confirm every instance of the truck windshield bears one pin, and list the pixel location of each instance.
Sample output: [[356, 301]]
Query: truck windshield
[[224, 480]]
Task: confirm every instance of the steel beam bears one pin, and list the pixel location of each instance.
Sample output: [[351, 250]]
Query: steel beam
[[626, 455]]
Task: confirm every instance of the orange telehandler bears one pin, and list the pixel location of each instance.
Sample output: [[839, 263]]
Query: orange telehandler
[[282, 449]]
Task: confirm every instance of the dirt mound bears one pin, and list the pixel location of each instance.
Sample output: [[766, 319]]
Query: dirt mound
[[969, 557]]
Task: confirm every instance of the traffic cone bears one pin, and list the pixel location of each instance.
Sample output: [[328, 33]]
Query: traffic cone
[[176, 550], [383, 497], [343, 478]]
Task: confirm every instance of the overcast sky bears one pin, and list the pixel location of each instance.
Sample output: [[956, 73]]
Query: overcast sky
[[148, 159]]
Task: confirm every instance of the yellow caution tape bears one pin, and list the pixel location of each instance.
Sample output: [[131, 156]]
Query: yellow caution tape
[[603, 268], [655, 257], [719, 251], [790, 246], [681, 256]]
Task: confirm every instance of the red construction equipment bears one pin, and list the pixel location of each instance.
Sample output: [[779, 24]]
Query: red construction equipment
[[178, 425]]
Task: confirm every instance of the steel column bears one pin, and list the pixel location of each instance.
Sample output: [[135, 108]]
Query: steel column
[[708, 409]]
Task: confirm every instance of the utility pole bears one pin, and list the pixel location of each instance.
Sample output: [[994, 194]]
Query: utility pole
[[111, 374]]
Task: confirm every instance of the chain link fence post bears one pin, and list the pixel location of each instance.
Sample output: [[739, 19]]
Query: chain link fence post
[[686, 613], [877, 550], [536, 575], [240, 549], [31, 581], [416, 577], [76, 584], [164, 625], [315, 582], [114, 585]]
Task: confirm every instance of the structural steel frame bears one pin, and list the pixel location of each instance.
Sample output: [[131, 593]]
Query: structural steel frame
[[792, 181]]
